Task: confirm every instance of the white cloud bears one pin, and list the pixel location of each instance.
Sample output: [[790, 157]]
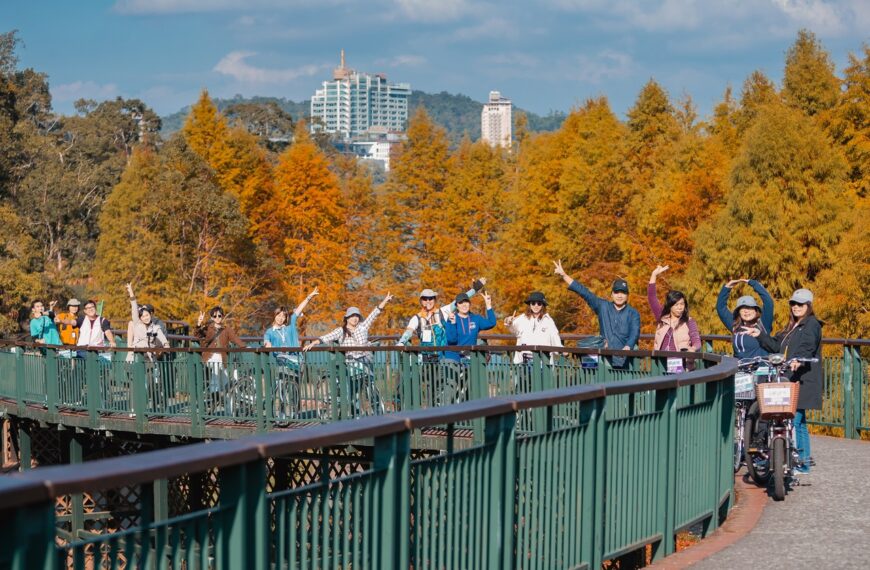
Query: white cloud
[[406, 60], [607, 64], [84, 90], [199, 6], [649, 15], [234, 65], [432, 10], [820, 15]]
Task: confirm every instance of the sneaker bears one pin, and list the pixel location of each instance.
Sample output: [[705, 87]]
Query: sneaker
[[801, 470]]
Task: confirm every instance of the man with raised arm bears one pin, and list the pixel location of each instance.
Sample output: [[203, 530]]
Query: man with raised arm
[[618, 322]]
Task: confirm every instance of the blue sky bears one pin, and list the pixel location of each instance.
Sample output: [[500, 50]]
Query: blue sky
[[545, 55]]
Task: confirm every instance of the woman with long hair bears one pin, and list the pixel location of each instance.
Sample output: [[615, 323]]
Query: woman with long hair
[[801, 338], [283, 332], [354, 331], [675, 329], [534, 326]]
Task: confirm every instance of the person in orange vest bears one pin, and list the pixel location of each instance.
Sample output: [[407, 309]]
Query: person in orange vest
[[67, 323]]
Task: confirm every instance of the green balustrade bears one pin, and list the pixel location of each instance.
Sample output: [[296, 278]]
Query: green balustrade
[[594, 475]]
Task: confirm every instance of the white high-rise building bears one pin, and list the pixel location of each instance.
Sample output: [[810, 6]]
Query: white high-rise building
[[495, 120], [355, 103]]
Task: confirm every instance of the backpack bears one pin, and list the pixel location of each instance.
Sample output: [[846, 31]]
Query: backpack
[[439, 334]]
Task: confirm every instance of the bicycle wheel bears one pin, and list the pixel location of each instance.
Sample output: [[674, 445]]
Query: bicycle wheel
[[241, 398], [778, 469], [322, 399], [739, 441], [756, 453]]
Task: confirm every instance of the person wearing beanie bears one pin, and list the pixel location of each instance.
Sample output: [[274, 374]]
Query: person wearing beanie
[[534, 327], [746, 317], [618, 322]]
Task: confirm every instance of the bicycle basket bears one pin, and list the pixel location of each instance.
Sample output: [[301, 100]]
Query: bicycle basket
[[778, 399], [744, 386]]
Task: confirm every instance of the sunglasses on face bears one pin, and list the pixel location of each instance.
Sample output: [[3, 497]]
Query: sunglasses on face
[[217, 316], [427, 298], [796, 304], [536, 304]]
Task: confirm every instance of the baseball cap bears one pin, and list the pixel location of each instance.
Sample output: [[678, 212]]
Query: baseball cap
[[747, 301], [620, 285], [351, 311], [428, 293], [461, 298], [802, 296]]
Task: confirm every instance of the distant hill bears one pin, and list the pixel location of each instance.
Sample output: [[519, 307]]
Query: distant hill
[[458, 114]]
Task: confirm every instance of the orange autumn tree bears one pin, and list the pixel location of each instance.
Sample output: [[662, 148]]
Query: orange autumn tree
[[306, 226]]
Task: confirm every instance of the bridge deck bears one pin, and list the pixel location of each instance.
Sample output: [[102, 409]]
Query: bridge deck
[[823, 523]]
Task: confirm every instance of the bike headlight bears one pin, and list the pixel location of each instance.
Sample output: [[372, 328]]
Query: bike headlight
[[776, 359]]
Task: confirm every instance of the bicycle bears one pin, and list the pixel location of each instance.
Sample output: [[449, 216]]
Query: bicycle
[[772, 454], [365, 397], [749, 372]]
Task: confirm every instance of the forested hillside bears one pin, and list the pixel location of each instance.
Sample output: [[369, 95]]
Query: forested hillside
[[458, 114], [773, 186]]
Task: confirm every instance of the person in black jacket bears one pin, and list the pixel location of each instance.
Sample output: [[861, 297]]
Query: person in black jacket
[[801, 338]]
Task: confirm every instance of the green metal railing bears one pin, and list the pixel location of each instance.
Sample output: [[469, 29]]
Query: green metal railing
[[600, 471]]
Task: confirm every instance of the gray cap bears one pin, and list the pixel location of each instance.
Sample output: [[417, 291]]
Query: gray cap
[[73, 303], [747, 301], [351, 311], [802, 296], [428, 293]]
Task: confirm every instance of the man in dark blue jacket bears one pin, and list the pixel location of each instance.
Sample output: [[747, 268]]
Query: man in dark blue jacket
[[618, 322]]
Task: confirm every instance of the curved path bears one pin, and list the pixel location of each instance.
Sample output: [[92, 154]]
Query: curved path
[[823, 523]]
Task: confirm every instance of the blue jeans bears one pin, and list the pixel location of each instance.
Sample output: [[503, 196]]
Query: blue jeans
[[802, 437]]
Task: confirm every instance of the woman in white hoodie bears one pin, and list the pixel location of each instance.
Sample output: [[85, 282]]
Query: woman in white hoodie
[[534, 327]]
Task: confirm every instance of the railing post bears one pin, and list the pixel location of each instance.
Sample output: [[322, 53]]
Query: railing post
[[849, 424], [19, 380], [392, 457], [595, 455], [92, 377], [501, 434], [666, 402], [341, 389], [77, 508], [140, 390], [244, 518], [195, 385], [858, 389], [264, 383], [51, 380], [539, 384], [31, 529], [478, 387]]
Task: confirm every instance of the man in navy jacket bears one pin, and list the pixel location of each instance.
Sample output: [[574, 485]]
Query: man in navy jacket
[[618, 322]]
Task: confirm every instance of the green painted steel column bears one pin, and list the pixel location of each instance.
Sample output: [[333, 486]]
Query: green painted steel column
[[195, 397], [857, 389], [392, 459], [92, 377], [51, 380], [850, 428], [161, 499], [76, 456], [32, 530], [599, 425], [25, 447], [501, 434], [19, 380], [244, 518], [716, 445], [340, 387], [140, 391], [478, 388], [263, 390], [666, 402]]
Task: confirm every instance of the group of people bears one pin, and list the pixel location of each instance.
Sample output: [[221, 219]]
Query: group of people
[[454, 324]]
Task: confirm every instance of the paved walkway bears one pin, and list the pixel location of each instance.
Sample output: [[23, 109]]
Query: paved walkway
[[823, 523]]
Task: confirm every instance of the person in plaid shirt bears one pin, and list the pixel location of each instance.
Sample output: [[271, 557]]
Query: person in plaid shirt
[[353, 332]]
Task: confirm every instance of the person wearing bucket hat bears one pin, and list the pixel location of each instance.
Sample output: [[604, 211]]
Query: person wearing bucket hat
[[428, 324], [69, 331], [534, 327], [801, 338], [354, 331], [463, 326], [746, 317], [618, 322]]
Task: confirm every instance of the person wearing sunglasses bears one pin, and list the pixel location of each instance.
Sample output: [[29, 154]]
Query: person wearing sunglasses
[[214, 338], [533, 327], [801, 338], [428, 324]]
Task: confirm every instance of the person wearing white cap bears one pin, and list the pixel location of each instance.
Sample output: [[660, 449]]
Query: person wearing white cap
[[353, 332], [428, 324], [801, 338], [746, 317]]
